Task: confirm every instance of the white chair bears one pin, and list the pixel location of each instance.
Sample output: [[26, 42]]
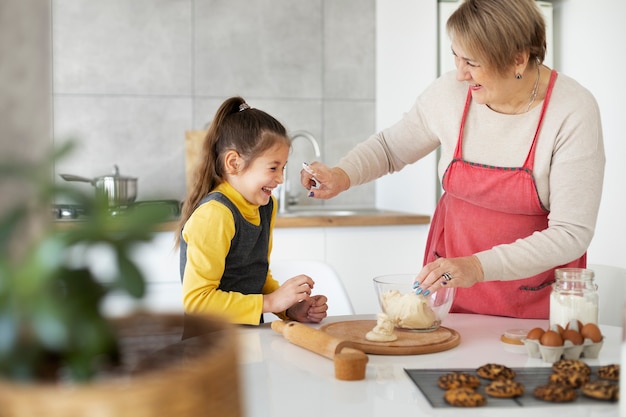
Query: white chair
[[327, 282], [611, 281]]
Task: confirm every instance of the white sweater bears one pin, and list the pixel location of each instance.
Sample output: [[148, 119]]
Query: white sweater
[[568, 170]]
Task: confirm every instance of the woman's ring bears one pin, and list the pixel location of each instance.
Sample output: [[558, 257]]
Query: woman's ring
[[447, 276]]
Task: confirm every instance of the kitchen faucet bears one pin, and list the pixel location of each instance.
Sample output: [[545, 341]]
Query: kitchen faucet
[[282, 191]]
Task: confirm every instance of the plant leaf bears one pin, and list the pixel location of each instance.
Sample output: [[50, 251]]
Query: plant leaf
[[130, 276]]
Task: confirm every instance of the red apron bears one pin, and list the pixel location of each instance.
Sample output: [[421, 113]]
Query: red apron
[[484, 206]]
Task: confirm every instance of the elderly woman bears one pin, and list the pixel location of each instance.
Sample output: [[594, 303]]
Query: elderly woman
[[522, 164]]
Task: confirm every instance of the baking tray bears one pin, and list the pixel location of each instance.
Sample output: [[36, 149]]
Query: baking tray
[[426, 381]]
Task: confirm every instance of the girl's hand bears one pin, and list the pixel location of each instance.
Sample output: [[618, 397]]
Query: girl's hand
[[332, 181], [294, 290], [462, 272], [312, 310]]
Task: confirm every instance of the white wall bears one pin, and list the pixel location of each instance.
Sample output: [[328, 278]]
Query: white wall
[[589, 47], [407, 63], [24, 101]]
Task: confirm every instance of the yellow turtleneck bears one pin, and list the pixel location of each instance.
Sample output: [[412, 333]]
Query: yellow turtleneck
[[208, 234]]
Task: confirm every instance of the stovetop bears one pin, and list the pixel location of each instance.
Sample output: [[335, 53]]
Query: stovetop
[[77, 212]]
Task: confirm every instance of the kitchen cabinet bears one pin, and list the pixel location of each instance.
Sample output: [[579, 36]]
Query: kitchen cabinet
[[358, 254], [159, 262]]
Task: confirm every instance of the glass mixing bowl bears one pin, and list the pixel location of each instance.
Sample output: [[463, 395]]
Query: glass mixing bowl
[[408, 310]]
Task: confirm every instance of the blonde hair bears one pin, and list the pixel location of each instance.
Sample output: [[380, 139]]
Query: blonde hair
[[495, 31]]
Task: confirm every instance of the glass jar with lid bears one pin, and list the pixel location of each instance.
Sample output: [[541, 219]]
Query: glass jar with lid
[[574, 297]]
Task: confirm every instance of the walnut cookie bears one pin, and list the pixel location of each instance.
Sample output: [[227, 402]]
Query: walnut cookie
[[555, 393], [458, 380], [504, 388], [464, 397], [610, 372], [571, 365], [495, 371], [571, 379], [601, 390]]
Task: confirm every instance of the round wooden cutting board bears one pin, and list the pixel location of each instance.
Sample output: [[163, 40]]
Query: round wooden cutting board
[[408, 342]]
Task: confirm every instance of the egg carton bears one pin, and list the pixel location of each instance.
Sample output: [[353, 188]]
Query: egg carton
[[569, 350]]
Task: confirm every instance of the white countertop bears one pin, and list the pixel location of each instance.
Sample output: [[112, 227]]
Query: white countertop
[[282, 379]]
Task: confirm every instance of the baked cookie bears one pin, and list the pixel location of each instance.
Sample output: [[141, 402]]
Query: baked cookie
[[571, 365], [555, 393], [610, 372], [504, 388], [571, 379], [495, 371], [601, 390], [458, 380], [464, 397]]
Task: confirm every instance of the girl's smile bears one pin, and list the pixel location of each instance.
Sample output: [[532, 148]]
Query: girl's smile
[[256, 181]]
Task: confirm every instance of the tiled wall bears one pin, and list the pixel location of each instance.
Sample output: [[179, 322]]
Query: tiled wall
[[24, 110], [130, 77]]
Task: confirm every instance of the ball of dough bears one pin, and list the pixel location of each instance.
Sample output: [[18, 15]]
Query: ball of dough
[[409, 311]]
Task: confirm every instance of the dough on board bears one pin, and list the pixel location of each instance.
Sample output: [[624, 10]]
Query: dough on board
[[383, 331]]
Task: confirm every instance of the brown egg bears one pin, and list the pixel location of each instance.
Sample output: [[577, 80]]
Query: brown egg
[[535, 334], [574, 325], [557, 328], [591, 331], [573, 336], [551, 338]]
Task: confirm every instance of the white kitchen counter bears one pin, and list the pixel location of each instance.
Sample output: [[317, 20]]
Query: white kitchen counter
[[282, 379]]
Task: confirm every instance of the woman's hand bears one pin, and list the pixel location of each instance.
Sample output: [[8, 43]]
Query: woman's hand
[[312, 310], [331, 181], [294, 290], [461, 272]]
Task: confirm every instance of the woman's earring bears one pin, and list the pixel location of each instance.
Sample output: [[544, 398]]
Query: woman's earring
[[518, 76]]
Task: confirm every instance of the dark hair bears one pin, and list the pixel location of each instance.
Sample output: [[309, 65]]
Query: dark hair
[[496, 30], [238, 127]]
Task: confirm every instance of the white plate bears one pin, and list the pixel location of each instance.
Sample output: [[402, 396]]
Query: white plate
[[509, 347]]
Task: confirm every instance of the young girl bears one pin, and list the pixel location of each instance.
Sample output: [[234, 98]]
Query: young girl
[[225, 232]]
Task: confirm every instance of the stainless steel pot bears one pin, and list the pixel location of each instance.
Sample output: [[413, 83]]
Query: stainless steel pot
[[117, 189]]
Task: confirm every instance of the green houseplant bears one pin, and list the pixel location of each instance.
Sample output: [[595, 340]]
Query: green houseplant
[[59, 354], [51, 325]]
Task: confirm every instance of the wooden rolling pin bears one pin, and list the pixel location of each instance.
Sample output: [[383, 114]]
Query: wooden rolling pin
[[349, 363]]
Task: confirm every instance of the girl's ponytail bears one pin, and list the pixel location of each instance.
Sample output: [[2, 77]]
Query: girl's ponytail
[[235, 126]]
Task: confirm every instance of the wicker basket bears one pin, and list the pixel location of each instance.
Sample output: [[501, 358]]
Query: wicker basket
[[161, 375]]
